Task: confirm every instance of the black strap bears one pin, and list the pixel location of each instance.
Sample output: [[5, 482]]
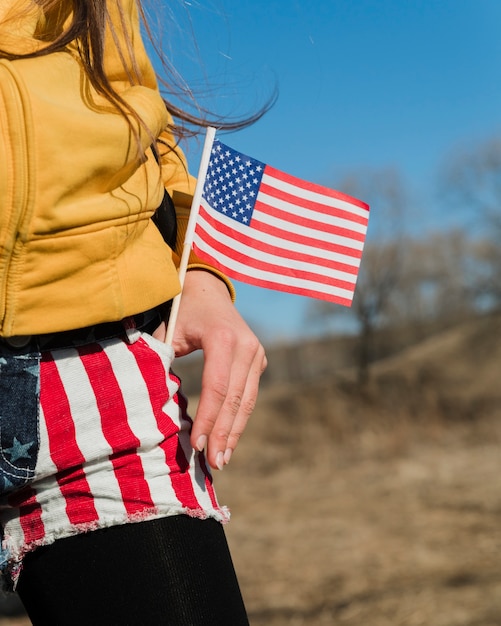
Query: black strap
[[164, 217]]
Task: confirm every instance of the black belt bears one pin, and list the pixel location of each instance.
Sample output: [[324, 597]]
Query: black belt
[[146, 322]]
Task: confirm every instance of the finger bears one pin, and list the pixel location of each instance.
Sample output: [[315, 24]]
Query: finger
[[227, 401], [237, 408], [218, 359], [247, 405], [218, 438]]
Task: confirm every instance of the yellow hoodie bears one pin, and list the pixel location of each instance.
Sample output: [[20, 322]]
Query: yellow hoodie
[[77, 246]]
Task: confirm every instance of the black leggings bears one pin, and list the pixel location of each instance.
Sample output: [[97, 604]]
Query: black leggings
[[173, 571]]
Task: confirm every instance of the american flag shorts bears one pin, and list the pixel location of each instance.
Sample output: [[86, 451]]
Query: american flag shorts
[[92, 436]]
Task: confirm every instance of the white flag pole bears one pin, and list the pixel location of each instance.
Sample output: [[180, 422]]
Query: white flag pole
[[190, 230]]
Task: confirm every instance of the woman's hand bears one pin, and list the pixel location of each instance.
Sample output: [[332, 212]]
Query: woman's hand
[[233, 363]]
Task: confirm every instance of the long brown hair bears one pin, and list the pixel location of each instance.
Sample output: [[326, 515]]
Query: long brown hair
[[85, 22]]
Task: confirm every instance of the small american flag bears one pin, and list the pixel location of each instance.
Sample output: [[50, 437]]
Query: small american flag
[[267, 228]]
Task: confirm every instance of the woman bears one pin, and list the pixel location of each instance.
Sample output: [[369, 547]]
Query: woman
[[107, 506]]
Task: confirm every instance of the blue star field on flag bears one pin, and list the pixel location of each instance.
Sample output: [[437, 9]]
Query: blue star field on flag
[[232, 182]]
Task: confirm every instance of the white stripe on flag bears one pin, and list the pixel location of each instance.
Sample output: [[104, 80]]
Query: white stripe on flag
[[264, 237], [296, 211], [313, 196], [301, 265], [321, 236], [277, 278]]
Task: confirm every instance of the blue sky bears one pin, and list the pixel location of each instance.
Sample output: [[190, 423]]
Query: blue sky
[[362, 84]]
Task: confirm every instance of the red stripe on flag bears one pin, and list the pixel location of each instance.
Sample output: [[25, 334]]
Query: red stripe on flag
[[307, 186], [297, 202], [257, 244], [30, 514], [239, 256], [251, 279], [286, 235], [301, 220], [64, 450], [153, 373], [115, 426]]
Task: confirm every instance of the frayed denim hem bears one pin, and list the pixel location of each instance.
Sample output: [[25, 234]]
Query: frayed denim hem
[[12, 556]]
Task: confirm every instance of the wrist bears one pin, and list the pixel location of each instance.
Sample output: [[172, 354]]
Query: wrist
[[205, 276], [215, 273]]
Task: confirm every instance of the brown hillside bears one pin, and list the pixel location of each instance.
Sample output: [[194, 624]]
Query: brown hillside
[[379, 507], [450, 380]]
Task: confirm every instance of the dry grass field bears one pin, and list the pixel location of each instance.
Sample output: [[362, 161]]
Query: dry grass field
[[388, 538], [375, 507], [380, 508]]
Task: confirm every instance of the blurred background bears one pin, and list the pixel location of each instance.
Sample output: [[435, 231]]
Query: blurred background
[[395, 102], [366, 489]]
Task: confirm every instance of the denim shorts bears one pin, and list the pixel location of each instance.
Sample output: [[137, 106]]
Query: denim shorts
[[94, 432]]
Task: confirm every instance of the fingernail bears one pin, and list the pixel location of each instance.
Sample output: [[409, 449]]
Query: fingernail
[[201, 442], [220, 460], [227, 455]]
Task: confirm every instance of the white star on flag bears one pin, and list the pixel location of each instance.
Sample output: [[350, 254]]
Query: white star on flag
[[267, 228]]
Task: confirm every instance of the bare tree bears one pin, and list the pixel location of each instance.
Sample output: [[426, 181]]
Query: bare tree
[[371, 305], [437, 281], [471, 181], [385, 192]]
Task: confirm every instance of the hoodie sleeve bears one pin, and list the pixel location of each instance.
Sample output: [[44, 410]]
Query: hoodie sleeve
[[181, 186], [174, 168]]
